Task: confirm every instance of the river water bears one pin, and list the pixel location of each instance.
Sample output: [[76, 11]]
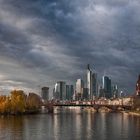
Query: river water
[[70, 124]]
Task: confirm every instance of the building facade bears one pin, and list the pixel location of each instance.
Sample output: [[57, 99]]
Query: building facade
[[92, 85], [59, 92], [95, 84], [45, 93], [69, 92], [85, 94], [79, 89], [107, 86], [115, 91], [101, 92], [89, 82]]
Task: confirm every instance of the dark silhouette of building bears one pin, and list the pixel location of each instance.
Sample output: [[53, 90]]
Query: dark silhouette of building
[[85, 93], [45, 93], [69, 92], [101, 92], [107, 86], [94, 84]]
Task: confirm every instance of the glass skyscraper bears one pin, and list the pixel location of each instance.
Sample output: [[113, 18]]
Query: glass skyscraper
[[69, 92], [107, 86], [60, 90], [91, 83], [45, 93], [79, 89]]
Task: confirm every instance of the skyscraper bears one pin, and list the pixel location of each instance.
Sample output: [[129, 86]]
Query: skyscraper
[[91, 83], [60, 90], [79, 89], [107, 86], [101, 92], [95, 84], [45, 93], [85, 94], [115, 91], [69, 92]]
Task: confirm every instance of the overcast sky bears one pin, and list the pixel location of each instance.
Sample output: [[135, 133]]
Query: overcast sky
[[43, 41]]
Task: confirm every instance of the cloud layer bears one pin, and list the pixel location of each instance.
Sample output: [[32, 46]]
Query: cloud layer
[[45, 41]]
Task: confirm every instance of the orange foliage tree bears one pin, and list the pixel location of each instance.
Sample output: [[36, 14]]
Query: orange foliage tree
[[19, 102]]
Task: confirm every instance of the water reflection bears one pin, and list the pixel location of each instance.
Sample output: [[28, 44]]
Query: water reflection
[[70, 124], [11, 127]]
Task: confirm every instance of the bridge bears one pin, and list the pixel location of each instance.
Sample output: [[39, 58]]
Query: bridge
[[96, 105], [50, 106]]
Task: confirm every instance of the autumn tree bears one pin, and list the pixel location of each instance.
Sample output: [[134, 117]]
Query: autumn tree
[[18, 101], [2, 103], [33, 101]]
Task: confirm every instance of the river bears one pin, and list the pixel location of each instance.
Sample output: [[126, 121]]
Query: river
[[70, 124]]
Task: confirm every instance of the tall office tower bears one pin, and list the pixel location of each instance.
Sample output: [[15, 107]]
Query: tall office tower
[[107, 86], [95, 84], [138, 87], [79, 89], [85, 93], [54, 94], [115, 91], [91, 83], [69, 92], [60, 90], [45, 93], [101, 92]]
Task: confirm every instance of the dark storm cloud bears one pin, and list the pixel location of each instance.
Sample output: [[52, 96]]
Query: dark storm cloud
[[50, 40]]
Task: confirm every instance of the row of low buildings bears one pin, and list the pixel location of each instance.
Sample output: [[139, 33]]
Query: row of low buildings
[[86, 91]]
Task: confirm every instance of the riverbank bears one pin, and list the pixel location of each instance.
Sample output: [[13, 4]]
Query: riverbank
[[136, 113], [31, 112], [133, 113]]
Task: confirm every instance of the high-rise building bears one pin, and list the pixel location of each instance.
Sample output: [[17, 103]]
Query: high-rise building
[[138, 86], [101, 92], [45, 93], [60, 90], [91, 83], [115, 91], [107, 86], [95, 84], [69, 92], [79, 89], [85, 93]]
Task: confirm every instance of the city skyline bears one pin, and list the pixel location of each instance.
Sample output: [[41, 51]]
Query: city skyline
[[42, 42], [87, 89]]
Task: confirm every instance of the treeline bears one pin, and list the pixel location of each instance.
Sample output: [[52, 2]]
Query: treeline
[[19, 103]]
